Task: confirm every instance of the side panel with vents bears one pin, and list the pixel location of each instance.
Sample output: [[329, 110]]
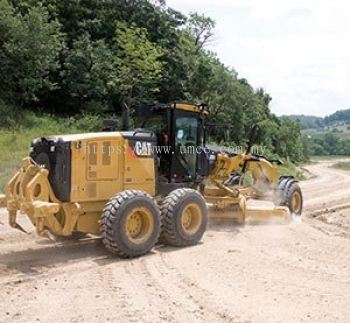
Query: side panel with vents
[[97, 168]]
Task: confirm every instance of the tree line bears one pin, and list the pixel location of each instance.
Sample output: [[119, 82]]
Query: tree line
[[68, 58], [328, 144]]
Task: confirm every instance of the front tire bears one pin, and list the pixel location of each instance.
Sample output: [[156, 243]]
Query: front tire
[[289, 194], [184, 216], [130, 224]]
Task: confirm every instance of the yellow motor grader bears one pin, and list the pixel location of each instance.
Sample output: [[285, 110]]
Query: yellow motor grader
[[136, 187]]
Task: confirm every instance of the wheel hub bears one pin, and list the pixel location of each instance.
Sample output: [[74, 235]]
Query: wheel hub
[[296, 201], [191, 219], [134, 224], [139, 225]]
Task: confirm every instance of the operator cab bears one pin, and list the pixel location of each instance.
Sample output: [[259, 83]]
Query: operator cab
[[180, 132]]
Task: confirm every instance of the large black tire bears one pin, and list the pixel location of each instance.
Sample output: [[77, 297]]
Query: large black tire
[[130, 224], [289, 194], [233, 180], [184, 216]]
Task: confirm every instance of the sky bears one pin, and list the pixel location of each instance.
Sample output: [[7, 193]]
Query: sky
[[298, 51]]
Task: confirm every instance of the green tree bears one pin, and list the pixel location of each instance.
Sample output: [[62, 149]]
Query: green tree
[[30, 44], [330, 142], [201, 28], [89, 74], [139, 65]]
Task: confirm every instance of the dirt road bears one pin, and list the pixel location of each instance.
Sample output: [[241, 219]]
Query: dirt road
[[254, 273]]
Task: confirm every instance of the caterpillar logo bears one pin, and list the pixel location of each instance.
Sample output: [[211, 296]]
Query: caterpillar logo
[[143, 149]]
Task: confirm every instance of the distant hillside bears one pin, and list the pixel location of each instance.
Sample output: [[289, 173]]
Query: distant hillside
[[308, 122], [341, 116], [326, 136], [313, 122]]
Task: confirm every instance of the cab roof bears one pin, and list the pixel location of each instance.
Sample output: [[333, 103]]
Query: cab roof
[[198, 108], [145, 111]]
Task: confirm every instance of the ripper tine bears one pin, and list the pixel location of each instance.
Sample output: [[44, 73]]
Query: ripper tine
[[19, 227]]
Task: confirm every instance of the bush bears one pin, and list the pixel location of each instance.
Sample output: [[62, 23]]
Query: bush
[[86, 123], [290, 169]]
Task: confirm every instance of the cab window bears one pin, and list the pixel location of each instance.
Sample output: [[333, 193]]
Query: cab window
[[186, 133]]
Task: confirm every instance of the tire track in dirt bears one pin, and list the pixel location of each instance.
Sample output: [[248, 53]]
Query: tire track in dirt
[[327, 198], [208, 306], [38, 259], [328, 187], [160, 287]]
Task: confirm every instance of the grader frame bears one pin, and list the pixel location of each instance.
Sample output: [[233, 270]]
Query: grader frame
[[134, 197]]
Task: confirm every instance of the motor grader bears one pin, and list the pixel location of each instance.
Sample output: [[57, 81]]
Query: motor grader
[[139, 186]]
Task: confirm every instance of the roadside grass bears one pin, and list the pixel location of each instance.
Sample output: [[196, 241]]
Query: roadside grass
[[342, 165]]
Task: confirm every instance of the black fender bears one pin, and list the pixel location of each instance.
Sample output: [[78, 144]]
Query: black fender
[[285, 182]]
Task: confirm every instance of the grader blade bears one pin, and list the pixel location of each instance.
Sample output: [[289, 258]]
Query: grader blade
[[238, 204], [257, 213], [241, 203], [258, 210]]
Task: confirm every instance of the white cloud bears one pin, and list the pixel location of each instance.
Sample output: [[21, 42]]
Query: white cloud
[[298, 50]]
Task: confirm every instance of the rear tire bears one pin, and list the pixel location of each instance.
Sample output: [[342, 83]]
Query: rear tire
[[289, 194], [130, 224], [184, 216]]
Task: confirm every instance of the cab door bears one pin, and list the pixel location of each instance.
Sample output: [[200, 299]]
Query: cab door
[[185, 145]]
